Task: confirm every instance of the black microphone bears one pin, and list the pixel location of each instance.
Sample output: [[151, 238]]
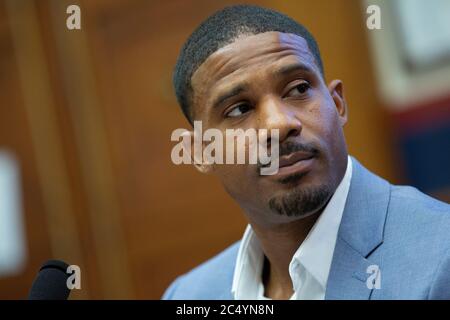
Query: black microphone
[[51, 282]]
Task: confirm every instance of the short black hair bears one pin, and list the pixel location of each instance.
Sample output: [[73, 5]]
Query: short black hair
[[221, 29]]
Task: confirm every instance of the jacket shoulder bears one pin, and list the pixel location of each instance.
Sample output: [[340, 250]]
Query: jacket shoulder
[[210, 280], [417, 245], [411, 198], [414, 213], [418, 223]]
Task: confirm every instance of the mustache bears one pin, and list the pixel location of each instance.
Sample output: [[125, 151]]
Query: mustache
[[290, 147]]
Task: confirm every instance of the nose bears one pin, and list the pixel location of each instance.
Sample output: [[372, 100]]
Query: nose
[[275, 114]]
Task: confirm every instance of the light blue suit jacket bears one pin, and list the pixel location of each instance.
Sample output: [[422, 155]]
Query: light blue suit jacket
[[404, 233]]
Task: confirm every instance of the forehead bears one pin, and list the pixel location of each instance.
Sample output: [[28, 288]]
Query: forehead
[[249, 54]]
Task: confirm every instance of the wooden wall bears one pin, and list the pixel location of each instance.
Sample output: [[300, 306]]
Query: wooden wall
[[89, 115]]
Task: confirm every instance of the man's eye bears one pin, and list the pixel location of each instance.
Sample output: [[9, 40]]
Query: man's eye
[[238, 110], [299, 90]]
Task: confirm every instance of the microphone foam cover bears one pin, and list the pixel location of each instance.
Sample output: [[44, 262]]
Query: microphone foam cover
[[51, 282]]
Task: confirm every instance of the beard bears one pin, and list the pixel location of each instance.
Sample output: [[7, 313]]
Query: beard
[[301, 202]]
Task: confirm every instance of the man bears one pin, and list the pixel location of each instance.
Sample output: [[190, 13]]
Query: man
[[323, 227]]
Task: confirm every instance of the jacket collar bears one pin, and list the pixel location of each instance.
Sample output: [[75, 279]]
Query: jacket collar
[[360, 233]]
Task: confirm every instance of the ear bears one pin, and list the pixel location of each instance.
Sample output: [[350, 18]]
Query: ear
[[336, 89], [195, 151]]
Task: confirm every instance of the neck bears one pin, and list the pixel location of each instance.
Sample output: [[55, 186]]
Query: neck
[[279, 244]]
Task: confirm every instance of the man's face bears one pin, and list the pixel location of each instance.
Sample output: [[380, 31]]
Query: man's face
[[271, 81]]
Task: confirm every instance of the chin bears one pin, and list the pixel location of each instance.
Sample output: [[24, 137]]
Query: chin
[[301, 201]]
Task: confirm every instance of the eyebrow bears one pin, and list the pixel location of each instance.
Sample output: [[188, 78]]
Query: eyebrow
[[298, 66], [234, 91], [239, 88]]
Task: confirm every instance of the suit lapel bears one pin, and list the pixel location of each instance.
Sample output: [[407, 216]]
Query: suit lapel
[[360, 233]]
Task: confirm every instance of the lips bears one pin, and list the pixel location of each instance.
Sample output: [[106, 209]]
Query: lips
[[297, 164], [289, 160]]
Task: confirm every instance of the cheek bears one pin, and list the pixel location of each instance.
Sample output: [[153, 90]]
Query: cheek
[[332, 134], [325, 117], [322, 123], [236, 179], [230, 174], [317, 119]]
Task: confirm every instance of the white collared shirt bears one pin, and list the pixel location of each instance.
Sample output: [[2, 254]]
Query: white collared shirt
[[310, 265]]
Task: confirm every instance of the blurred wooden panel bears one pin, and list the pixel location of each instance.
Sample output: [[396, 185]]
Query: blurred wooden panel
[[52, 155], [15, 136], [174, 217]]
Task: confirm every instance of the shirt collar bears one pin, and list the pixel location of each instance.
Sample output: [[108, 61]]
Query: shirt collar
[[316, 252], [249, 264], [313, 256]]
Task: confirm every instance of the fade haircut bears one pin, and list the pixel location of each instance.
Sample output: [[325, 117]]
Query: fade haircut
[[221, 29]]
